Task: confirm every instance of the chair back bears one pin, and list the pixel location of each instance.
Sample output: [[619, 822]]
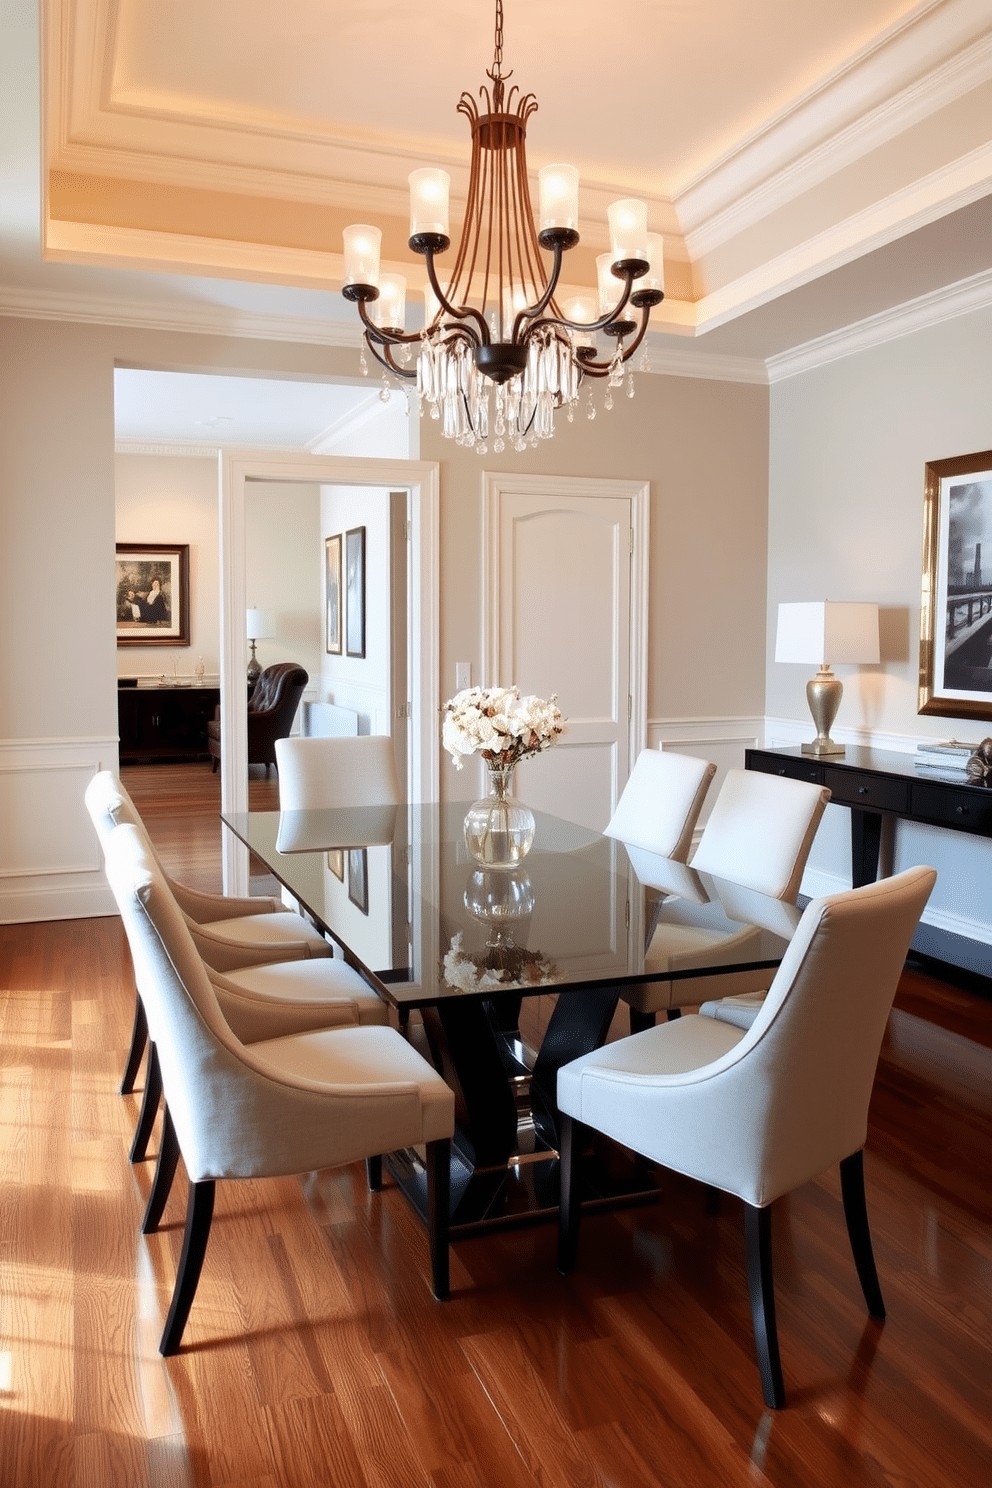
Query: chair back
[[799, 1081], [661, 802], [760, 832], [272, 708], [329, 773]]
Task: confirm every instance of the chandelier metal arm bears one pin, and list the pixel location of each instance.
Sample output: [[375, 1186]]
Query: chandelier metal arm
[[385, 359], [591, 368], [462, 313], [581, 325]]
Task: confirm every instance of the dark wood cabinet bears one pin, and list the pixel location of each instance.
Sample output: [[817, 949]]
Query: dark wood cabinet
[[164, 722]]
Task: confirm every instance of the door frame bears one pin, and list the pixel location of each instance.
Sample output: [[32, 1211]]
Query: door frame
[[638, 495], [421, 480]]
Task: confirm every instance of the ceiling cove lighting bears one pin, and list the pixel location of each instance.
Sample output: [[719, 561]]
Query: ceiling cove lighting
[[497, 352]]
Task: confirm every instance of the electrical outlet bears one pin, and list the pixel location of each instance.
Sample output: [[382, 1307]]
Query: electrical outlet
[[463, 675]]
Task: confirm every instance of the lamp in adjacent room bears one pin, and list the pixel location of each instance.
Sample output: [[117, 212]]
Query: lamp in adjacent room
[[825, 632], [260, 624]]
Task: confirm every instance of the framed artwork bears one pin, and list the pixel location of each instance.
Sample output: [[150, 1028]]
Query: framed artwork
[[335, 862], [152, 594], [956, 614], [332, 593], [358, 877], [354, 567]]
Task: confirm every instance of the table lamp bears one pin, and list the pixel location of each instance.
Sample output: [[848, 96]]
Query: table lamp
[[825, 631], [259, 625]]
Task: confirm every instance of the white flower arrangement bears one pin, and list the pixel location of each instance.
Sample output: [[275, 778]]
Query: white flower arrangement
[[499, 724]]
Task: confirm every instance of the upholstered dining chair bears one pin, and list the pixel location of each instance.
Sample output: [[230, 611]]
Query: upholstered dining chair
[[327, 773], [231, 934], [760, 1112], [273, 1108], [660, 804], [271, 713], [759, 835]]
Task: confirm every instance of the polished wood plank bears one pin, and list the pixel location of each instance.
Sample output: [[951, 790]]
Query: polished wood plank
[[316, 1354]]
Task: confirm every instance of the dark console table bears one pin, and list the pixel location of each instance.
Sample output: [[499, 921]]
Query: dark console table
[[876, 784], [164, 723]]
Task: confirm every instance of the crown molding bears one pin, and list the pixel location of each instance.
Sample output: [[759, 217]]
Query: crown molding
[[183, 451], [894, 83], [916, 315], [924, 201], [709, 366]]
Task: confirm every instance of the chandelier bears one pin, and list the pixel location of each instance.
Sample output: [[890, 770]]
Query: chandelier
[[497, 352]]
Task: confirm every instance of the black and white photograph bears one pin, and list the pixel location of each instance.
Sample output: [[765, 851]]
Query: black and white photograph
[[152, 594], [332, 593], [956, 618]]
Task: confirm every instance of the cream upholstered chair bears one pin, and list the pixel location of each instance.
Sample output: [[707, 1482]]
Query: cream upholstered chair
[[660, 804], [760, 1112], [758, 835], [282, 1106], [259, 999], [315, 773]]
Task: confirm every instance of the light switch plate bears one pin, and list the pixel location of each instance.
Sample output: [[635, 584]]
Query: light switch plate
[[463, 675]]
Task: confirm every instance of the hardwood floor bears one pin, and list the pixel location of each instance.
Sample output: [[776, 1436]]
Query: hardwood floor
[[315, 1353]]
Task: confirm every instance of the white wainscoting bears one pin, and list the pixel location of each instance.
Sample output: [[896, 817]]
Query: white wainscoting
[[51, 867], [720, 740]]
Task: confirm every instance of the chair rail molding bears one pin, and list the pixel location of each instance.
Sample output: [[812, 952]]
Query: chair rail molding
[[51, 867]]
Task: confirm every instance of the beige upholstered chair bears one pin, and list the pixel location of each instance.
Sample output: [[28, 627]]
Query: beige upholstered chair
[[761, 1112], [316, 773], [282, 1106], [661, 802], [758, 835]]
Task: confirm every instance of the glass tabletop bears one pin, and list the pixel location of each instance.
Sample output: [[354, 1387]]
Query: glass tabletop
[[399, 890]]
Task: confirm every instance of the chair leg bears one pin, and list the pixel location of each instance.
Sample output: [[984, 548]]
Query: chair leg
[[139, 1038], [852, 1187], [149, 1107], [199, 1212], [373, 1173], [640, 1022], [165, 1171], [439, 1215], [569, 1205], [761, 1287], [673, 1013]]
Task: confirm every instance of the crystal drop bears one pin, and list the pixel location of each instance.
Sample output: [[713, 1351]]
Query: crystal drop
[[481, 448], [363, 365], [384, 393], [498, 445], [608, 400], [630, 384]]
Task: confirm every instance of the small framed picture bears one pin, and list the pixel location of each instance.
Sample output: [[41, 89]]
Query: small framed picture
[[354, 559], [152, 594], [332, 593], [956, 613], [358, 877], [335, 862]]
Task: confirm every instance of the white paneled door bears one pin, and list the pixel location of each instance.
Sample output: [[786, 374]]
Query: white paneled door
[[566, 591]]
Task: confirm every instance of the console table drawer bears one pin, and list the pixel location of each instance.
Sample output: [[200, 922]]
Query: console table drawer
[[869, 792], [967, 810], [793, 769]]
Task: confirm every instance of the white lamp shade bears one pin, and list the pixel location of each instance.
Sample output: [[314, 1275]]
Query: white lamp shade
[[389, 310], [628, 221], [582, 308], [655, 276], [259, 624], [827, 631], [429, 190], [559, 196], [610, 287], [361, 253]]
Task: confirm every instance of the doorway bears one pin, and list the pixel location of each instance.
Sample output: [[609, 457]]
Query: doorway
[[417, 486]]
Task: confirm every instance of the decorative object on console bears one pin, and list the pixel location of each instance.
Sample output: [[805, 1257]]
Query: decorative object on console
[[979, 767], [504, 728], [824, 632], [152, 594], [956, 614], [260, 626], [495, 323]]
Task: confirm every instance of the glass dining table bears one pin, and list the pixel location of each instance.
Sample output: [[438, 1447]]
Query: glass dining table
[[582, 917]]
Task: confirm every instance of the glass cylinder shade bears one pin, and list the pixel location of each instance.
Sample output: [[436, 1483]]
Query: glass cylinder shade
[[429, 201], [432, 306], [610, 287], [389, 310], [361, 254], [655, 276], [559, 196], [582, 308], [628, 219]]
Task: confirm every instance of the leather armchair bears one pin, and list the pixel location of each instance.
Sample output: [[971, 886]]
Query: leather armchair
[[271, 710]]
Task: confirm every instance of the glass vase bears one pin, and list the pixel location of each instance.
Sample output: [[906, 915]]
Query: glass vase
[[499, 830]]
